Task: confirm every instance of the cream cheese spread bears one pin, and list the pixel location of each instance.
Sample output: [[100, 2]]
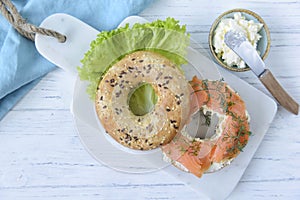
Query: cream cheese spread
[[238, 23]]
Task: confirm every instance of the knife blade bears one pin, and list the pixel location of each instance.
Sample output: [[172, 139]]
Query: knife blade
[[243, 48]]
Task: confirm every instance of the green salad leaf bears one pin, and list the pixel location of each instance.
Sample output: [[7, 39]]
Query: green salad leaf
[[166, 37], [142, 100]]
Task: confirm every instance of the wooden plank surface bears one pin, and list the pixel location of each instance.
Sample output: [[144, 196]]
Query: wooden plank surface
[[42, 157]]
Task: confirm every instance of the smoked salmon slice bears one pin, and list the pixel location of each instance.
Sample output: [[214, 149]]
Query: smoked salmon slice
[[197, 155]]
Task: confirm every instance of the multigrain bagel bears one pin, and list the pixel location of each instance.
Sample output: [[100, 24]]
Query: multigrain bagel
[[159, 126]]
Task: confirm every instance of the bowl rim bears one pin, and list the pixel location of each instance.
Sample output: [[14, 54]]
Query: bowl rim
[[217, 21]]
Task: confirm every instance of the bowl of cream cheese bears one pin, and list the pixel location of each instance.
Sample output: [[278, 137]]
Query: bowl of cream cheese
[[246, 22]]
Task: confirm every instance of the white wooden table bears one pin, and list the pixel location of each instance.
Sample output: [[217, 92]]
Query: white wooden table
[[42, 157]]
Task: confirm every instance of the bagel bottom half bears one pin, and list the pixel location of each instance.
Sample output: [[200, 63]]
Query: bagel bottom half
[[209, 154]]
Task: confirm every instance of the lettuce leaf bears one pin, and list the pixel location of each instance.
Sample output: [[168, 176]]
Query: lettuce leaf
[[166, 37], [142, 100]]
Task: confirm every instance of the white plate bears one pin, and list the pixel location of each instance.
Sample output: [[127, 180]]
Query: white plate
[[217, 185], [106, 149]]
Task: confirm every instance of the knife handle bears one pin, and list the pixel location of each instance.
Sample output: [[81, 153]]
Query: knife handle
[[278, 92]]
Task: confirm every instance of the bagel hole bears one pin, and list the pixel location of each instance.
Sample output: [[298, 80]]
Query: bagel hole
[[207, 124], [142, 99]]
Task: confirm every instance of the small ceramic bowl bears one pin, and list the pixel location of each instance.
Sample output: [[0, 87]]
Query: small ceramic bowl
[[263, 45]]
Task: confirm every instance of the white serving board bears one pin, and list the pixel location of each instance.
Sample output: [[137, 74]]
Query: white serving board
[[212, 186]]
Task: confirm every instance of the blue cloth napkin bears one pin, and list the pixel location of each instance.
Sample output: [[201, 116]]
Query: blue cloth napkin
[[20, 63]]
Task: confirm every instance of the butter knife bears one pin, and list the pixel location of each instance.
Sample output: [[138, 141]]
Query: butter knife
[[242, 47]]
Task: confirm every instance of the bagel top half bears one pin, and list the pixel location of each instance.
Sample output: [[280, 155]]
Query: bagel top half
[[164, 121]]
